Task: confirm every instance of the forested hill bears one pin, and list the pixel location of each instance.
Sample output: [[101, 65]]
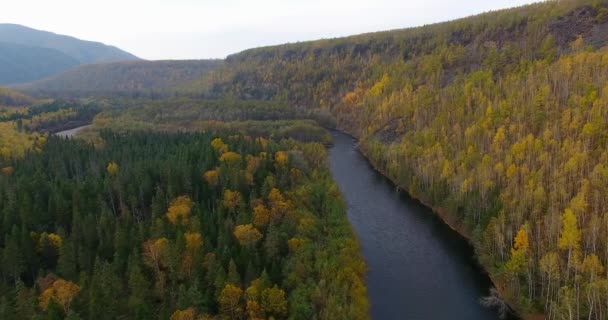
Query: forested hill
[[132, 78], [27, 54], [10, 98], [498, 119], [319, 73]]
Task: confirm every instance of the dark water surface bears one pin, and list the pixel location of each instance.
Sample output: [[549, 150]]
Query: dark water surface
[[418, 267]]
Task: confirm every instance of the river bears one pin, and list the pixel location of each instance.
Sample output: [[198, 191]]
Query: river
[[69, 133], [418, 268]]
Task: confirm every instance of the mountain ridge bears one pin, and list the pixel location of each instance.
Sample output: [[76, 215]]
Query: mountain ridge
[[28, 54], [134, 78]]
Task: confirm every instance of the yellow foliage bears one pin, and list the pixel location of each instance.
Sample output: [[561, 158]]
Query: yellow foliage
[[231, 199], [56, 240], [51, 238], [194, 241], [281, 158], [14, 143], [62, 292], [378, 88], [278, 205], [254, 310], [247, 234], [295, 243], [188, 314], [518, 261], [571, 236], [112, 168], [592, 266], [218, 145], [499, 140], [231, 158], [155, 251], [179, 210], [521, 240], [262, 142], [211, 177], [230, 302], [274, 301], [350, 99], [252, 164], [254, 290], [511, 171], [261, 215]]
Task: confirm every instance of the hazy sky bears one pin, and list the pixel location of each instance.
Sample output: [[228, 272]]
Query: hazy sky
[[183, 29]]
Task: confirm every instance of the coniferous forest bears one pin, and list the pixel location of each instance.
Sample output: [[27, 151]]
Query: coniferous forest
[[176, 226]]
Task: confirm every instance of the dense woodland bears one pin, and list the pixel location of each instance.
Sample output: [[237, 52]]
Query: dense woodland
[[180, 226], [11, 98], [498, 119], [134, 79], [50, 117]]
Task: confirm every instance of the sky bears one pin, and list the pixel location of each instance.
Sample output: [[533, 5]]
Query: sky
[[201, 29]]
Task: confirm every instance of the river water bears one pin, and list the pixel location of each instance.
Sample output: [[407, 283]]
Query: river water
[[418, 267], [69, 133]]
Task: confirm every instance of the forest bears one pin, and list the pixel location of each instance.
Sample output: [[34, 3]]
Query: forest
[[498, 121], [158, 79], [179, 226]]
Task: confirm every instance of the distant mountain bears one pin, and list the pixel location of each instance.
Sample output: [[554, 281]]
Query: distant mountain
[[28, 54], [126, 78], [22, 63]]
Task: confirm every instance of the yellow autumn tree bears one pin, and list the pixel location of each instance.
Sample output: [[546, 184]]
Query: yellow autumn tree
[[279, 206], [295, 243], [274, 301], [218, 145], [281, 158], [211, 177], [261, 215], [155, 252], [112, 168], [232, 199], [253, 295], [194, 241], [179, 210], [62, 292], [231, 158], [187, 314], [247, 234], [49, 238], [229, 302], [518, 261], [570, 238]]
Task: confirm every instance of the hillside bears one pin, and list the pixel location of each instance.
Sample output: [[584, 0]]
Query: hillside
[[22, 63], [10, 98], [498, 121], [27, 54], [134, 78]]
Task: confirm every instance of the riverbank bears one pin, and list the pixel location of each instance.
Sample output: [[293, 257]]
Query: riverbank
[[447, 218], [415, 260]]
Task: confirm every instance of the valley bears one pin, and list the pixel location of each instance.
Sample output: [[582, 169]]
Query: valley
[[474, 186]]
